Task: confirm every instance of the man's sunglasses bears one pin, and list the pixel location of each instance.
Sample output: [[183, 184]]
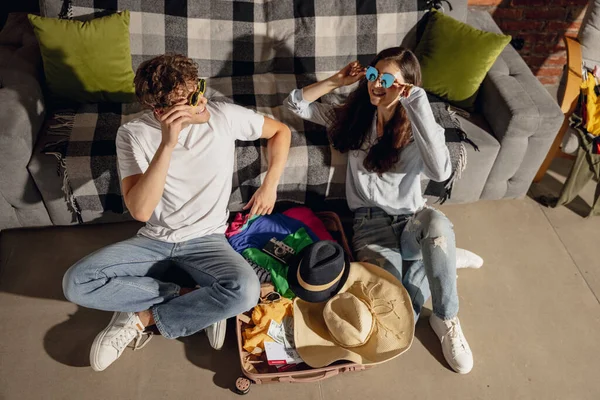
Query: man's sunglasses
[[387, 80], [197, 95]]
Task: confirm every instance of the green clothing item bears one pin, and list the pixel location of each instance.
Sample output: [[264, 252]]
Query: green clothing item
[[586, 167], [297, 241]]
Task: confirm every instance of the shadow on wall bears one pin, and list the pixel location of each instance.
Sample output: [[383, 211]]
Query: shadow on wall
[[538, 28]]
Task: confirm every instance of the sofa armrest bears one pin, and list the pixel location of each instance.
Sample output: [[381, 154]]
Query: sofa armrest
[[22, 117], [522, 115]]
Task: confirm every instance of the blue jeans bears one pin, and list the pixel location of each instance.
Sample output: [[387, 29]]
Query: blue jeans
[[126, 276], [420, 245]]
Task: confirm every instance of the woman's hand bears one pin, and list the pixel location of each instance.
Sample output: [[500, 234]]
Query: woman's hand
[[348, 75], [405, 89]]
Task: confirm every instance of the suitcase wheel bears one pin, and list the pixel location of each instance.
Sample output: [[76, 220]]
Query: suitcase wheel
[[242, 385]]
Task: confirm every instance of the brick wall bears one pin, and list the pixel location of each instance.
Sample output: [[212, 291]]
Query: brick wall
[[541, 24]]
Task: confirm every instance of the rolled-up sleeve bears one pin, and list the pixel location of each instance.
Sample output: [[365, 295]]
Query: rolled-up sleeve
[[428, 135], [319, 113]]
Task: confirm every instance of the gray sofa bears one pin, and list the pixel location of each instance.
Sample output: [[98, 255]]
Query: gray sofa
[[516, 121]]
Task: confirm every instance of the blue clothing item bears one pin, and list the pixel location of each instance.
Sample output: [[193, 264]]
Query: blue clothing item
[[265, 228], [421, 245], [126, 277]]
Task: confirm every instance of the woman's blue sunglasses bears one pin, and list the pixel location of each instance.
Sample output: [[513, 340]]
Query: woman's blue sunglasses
[[387, 80]]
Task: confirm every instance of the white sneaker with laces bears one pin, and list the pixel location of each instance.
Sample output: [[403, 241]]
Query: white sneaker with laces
[[124, 327], [467, 259], [454, 344], [216, 334]]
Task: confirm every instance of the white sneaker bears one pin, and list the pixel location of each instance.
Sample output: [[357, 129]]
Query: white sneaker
[[467, 259], [454, 344], [124, 327], [216, 334]]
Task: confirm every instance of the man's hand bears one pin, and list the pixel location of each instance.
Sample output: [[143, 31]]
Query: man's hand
[[263, 201], [172, 121]]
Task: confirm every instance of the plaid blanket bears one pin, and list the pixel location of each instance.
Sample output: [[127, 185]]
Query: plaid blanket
[[84, 144], [255, 53], [247, 37]]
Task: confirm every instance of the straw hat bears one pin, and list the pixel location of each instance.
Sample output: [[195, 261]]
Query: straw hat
[[370, 320]]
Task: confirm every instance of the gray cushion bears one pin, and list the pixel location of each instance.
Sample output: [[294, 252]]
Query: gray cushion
[[20, 121]]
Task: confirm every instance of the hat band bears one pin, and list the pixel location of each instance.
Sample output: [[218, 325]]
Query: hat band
[[319, 288]]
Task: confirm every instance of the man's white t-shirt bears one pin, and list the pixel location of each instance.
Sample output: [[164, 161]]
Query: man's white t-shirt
[[198, 185]]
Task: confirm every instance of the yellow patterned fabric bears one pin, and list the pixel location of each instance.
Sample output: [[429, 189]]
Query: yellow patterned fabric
[[262, 315]]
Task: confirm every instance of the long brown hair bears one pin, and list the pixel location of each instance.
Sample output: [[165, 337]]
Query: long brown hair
[[355, 116]]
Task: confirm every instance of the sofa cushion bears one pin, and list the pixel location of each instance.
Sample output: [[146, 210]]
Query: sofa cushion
[[87, 61], [20, 121], [240, 38], [456, 57]]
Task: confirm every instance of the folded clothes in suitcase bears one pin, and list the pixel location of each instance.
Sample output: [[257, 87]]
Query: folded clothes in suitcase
[[299, 372]]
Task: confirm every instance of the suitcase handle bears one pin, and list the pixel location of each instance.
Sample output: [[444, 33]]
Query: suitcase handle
[[311, 378]]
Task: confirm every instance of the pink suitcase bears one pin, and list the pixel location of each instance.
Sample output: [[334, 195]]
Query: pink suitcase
[[243, 383]]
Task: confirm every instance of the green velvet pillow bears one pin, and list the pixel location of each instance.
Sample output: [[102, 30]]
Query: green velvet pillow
[[455, 58], [87, 61]]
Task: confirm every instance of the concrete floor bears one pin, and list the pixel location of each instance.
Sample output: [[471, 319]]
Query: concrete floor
[[531, 315]]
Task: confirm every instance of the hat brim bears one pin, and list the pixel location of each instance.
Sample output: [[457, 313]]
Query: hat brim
[[317, 297], [315, 344]]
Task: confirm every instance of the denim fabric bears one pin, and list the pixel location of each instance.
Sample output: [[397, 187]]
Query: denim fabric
[[421, 244], [126, 277]]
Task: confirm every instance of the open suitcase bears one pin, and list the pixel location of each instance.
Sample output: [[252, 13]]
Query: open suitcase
[[243, 383]]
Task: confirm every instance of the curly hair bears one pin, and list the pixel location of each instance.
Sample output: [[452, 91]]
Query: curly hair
[[355, 116], [162, 80]]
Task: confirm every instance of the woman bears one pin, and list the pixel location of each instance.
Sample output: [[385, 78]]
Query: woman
[[388, 130]]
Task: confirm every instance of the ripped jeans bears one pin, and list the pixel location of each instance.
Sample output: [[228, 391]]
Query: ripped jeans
[[419, 250]]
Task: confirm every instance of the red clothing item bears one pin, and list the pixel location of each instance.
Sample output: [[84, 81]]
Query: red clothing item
[[237, 225], [308, 218]]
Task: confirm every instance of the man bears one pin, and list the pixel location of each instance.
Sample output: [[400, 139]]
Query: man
[[176, 164]]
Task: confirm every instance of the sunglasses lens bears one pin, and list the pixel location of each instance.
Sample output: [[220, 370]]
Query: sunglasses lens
[[387, 80], [202, 86], [194, 99], [372, 74]]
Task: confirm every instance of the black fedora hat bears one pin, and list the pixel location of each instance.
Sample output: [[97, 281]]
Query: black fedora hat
[[319, 271]]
